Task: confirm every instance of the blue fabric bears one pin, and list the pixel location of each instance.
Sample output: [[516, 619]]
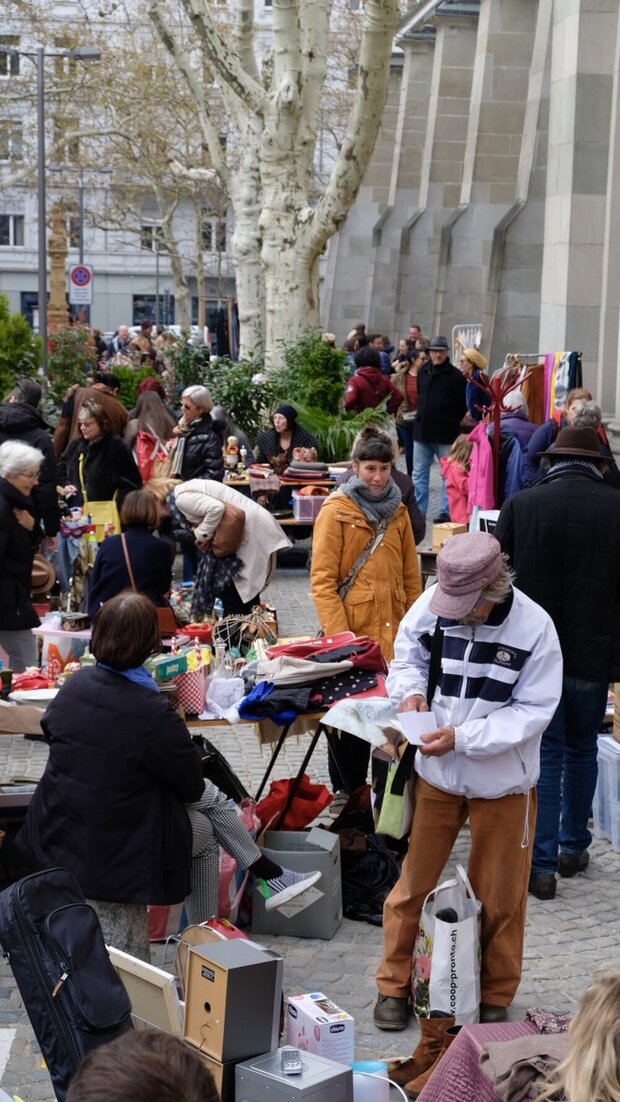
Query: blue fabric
[[386, 363], [568, 773], [423, 455], [476, 397], [138, 674], [514, 472]]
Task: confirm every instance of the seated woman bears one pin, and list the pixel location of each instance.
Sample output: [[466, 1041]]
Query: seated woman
[[196, 508], [275, 445], [150, 558], [110, 806]]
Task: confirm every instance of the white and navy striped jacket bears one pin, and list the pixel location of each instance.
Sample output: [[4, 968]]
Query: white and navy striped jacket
[[500, 684]]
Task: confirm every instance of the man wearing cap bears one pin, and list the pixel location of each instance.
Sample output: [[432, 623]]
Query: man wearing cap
[[498, 683], [441, 408], [563, 539]]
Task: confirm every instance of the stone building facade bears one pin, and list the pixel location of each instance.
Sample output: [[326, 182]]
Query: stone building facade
[[493, 193]]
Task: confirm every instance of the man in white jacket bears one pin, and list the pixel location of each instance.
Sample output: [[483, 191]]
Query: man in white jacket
[[498, 683]]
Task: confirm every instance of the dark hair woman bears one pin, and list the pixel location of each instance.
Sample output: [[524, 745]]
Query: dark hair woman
[[121, 765], [150, 558], [151, 416], [275, 445], [364, 511], [100, 461]]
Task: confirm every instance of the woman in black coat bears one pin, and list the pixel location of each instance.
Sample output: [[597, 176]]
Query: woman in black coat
[[107, 463], [109, 806], [198, 452], [150, 558], [19, 537]]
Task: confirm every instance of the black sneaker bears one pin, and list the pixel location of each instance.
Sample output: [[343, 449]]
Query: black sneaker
[[569, 864]]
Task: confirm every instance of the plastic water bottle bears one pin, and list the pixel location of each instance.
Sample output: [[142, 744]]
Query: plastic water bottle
[[218, 609]]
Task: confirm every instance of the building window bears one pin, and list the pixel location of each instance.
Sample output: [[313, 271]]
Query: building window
[[9, 63], [151, 238], [74, 232], [214, 235], [66, 150], [11, 140], [268, 3], [11, 230], [144, 308]]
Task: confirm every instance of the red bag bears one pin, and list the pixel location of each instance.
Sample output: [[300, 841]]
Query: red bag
[[310, 800], [306, 648], [150, 453]]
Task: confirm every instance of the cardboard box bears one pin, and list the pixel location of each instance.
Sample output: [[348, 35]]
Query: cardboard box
[[315, 1024], [443, 532], [233, 989], [262, 1080], [166, 666], [316, 913]]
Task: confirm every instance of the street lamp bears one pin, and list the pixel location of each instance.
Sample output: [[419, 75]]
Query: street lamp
[[80, 53]]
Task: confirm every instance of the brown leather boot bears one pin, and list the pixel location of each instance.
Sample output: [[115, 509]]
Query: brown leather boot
[[429, 1046], [413, 1088]]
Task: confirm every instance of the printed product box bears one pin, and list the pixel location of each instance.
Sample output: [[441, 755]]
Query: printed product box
[[318, 911], [315, 1024]]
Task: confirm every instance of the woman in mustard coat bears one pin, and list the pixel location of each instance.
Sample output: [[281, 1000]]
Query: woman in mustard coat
[[386, 585]]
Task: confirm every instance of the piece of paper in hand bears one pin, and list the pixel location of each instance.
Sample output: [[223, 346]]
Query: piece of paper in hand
[[415, 724]]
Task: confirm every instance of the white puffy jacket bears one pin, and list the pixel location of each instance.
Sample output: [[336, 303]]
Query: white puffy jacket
[[499, 687]]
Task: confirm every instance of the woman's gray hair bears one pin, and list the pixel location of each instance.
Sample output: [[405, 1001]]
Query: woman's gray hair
[[200, 396], [16, 458], [515, 399], [588, 416], [500, 587]]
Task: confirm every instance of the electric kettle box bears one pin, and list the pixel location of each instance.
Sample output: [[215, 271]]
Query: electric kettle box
[[232, 1000], [262, 1080]]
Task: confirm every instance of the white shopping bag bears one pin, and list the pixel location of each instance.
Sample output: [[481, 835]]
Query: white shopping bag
[[446, 958]]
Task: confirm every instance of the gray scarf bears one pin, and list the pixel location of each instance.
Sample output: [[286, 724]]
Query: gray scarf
[[374, 506]]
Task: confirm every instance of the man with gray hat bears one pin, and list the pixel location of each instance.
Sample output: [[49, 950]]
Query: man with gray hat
[[441, 408], [498, 680], [563, 539]]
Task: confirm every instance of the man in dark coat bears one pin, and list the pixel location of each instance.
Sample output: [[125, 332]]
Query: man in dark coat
[[441, 408], [563, 539], [21, 420]]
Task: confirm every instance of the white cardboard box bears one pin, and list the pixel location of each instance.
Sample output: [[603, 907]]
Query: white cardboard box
[[315, 1024]]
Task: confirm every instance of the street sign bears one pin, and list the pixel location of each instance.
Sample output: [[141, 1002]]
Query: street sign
[[80, 285]]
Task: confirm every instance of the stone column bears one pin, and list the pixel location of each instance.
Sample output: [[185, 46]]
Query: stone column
[[580, 96], [57, 249]]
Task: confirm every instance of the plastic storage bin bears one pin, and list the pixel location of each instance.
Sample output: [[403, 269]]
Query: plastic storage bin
[[606, 802], [306, 506]]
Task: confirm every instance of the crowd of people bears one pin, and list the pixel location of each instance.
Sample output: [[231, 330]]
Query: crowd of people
[[513, 649]]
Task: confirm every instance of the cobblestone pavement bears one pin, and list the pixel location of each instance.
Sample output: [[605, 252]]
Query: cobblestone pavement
[[567, 940]]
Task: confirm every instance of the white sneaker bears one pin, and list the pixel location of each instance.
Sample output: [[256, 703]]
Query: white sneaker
[[281, 889]]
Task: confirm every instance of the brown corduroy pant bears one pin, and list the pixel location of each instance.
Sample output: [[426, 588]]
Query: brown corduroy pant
[[502, 836]]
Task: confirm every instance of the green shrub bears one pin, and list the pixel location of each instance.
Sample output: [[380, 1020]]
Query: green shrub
[[186, 365], [314, 374], [247, 394], [71, 357], [20, 349], [129, 378], [335, 434]]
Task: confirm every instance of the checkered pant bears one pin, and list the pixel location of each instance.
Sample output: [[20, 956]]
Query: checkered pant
[[215, 823]]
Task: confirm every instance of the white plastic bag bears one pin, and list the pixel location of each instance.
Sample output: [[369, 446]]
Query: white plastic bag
[[446, 960], [223, 693]]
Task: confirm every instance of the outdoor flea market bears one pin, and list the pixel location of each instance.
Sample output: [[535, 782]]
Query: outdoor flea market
[[311, 773]]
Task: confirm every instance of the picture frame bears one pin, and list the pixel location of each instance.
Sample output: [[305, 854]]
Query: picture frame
[[155, 1001]]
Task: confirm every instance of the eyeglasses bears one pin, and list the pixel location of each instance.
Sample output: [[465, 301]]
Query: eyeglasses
[[87, 424]]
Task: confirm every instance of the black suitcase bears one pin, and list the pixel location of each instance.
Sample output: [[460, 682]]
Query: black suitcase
[[54, 945]]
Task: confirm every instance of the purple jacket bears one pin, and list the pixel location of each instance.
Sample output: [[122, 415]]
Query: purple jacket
[[519, 426]]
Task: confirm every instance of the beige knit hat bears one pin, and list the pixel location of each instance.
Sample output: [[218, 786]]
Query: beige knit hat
[[476, 358]]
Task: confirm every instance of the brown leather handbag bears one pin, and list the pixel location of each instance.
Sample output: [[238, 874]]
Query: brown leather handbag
[[165, 615], [229, 532]]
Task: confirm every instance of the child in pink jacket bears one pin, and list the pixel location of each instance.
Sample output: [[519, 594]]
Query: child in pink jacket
[[455, 471]]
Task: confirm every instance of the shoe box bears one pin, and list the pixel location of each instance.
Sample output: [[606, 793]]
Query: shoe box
[[233, 999], [316, 1024], [606, 802], [263, 1080], [316, 913]]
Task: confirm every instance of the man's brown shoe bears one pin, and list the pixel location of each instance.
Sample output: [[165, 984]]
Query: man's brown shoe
[[391, 1013]]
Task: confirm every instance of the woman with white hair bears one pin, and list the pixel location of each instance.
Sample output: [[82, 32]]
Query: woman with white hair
[[198, 452], [516, 421], [20, 535]]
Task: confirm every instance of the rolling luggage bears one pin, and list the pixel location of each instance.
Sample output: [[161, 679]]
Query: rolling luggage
[[54, 945]]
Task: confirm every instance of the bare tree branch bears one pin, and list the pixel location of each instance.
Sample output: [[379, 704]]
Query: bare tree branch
[[222, 60]]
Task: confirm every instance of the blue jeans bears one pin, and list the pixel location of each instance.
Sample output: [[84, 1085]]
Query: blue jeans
[[423, 455], [568, 772], [405, 436]]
